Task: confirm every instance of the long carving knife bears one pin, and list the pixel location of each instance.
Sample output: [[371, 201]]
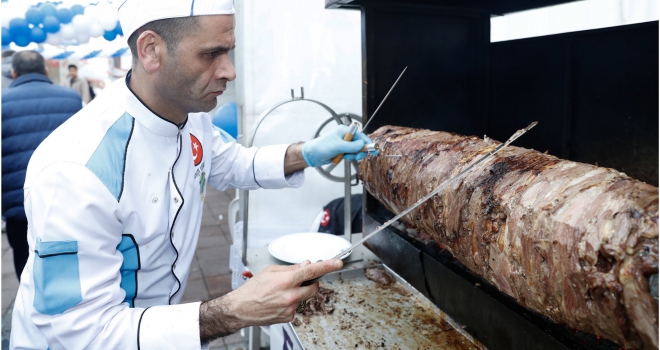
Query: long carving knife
[[348, 251]]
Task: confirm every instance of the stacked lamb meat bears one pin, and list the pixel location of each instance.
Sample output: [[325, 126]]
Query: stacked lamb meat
[[575, 242]]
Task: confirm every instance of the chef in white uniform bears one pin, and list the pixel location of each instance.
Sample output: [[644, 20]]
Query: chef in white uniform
[[114, 198]]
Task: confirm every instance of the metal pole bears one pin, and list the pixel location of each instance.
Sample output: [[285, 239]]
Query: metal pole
[[254, 338], [347, 200], [245, 198]]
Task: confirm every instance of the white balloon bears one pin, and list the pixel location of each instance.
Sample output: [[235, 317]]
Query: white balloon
[[82, 38], [109, 21], [95, 30], [67, 32], [92, 12], [53, 39], [5, 20], [81, 24]]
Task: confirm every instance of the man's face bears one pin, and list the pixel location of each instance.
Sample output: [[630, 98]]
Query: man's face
[[73, 72], [197, 72]]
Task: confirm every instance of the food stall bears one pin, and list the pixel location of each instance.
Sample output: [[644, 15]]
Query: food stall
[[594, 94]]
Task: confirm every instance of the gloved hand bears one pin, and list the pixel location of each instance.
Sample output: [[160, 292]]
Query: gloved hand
[[322, 149]]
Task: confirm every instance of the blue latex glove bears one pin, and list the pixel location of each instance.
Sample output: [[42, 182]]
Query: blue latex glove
[[322, 149]]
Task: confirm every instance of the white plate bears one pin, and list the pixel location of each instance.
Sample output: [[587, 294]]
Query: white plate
[[313, 246]]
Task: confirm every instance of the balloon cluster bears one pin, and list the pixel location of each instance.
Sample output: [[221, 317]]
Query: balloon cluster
[[53, 25]]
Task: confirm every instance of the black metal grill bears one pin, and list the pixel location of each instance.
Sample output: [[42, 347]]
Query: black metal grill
[[491, 316], [594, 93]]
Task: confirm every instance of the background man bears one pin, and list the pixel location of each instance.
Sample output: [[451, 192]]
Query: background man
[[32, 107], [114, 198], [77, 83], [6, 68]]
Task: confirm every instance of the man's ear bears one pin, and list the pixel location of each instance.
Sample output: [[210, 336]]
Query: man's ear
[[151, 50], [13, 74]]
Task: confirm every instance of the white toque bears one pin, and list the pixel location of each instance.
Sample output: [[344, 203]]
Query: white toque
[[133, 14]]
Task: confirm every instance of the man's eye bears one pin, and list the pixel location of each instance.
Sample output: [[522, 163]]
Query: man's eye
[[213, 54]]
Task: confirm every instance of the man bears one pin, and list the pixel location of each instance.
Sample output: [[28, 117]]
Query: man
[[32, 107], [6, 68], [114, 198], [79, 84]]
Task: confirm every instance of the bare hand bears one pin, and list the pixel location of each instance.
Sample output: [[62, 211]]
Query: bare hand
[[270, 297]]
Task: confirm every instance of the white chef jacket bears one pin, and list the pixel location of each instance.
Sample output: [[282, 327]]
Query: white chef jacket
[[114, 202]]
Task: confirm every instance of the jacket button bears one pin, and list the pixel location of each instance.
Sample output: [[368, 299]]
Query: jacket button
[[154, 200], [176, 200]]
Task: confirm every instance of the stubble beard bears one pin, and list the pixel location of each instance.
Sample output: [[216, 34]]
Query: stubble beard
[[180, 88]]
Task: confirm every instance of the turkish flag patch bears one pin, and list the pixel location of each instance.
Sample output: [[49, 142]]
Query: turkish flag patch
[[197, 151]]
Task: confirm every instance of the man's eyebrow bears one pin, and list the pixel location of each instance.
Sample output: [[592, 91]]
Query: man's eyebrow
[[220, 48]]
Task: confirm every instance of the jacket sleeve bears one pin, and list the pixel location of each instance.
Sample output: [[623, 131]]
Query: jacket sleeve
[[235, 166], [75, 295]]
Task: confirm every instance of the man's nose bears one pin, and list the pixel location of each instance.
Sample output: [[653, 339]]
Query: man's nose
[[226, 70]]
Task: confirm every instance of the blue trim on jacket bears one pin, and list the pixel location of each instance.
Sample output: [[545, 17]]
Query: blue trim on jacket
[[108, 160], [32, 107]]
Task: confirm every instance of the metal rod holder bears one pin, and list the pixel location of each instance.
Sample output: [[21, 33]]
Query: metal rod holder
[[245, 194]]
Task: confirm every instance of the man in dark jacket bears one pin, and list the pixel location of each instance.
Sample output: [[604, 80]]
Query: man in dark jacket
[[32, 107]]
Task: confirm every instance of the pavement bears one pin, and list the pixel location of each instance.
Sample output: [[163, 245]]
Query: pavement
[[210, 276]]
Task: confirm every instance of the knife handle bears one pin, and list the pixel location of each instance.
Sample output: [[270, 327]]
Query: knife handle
[[348, 137], [310, 282]]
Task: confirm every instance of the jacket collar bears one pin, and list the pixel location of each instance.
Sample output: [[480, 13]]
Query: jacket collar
[[143, 114], [30, 77]]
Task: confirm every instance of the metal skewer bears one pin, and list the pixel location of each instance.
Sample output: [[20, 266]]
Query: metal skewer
[[370, 147], [438, 189], [384, 98], [336, 160]]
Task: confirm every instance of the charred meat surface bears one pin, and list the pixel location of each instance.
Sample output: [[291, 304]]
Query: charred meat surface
[[320, 304], [379, 276], [575, 242]]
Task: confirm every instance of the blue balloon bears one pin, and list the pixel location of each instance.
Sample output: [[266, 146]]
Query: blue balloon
[[19, 26], [64, 15], [51, 24], [7, 38], [34, 16], [48, 9], [118, 29], [37, 35], [22, 40], [77, 10], [108, 35]]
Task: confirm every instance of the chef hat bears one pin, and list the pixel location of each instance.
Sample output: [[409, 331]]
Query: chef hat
[[133, 14]]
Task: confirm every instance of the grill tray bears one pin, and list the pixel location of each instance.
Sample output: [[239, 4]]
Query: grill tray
[[370, 316]]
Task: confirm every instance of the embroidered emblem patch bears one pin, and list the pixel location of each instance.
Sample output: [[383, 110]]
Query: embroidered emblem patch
[[197, 151], [202, 182]]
